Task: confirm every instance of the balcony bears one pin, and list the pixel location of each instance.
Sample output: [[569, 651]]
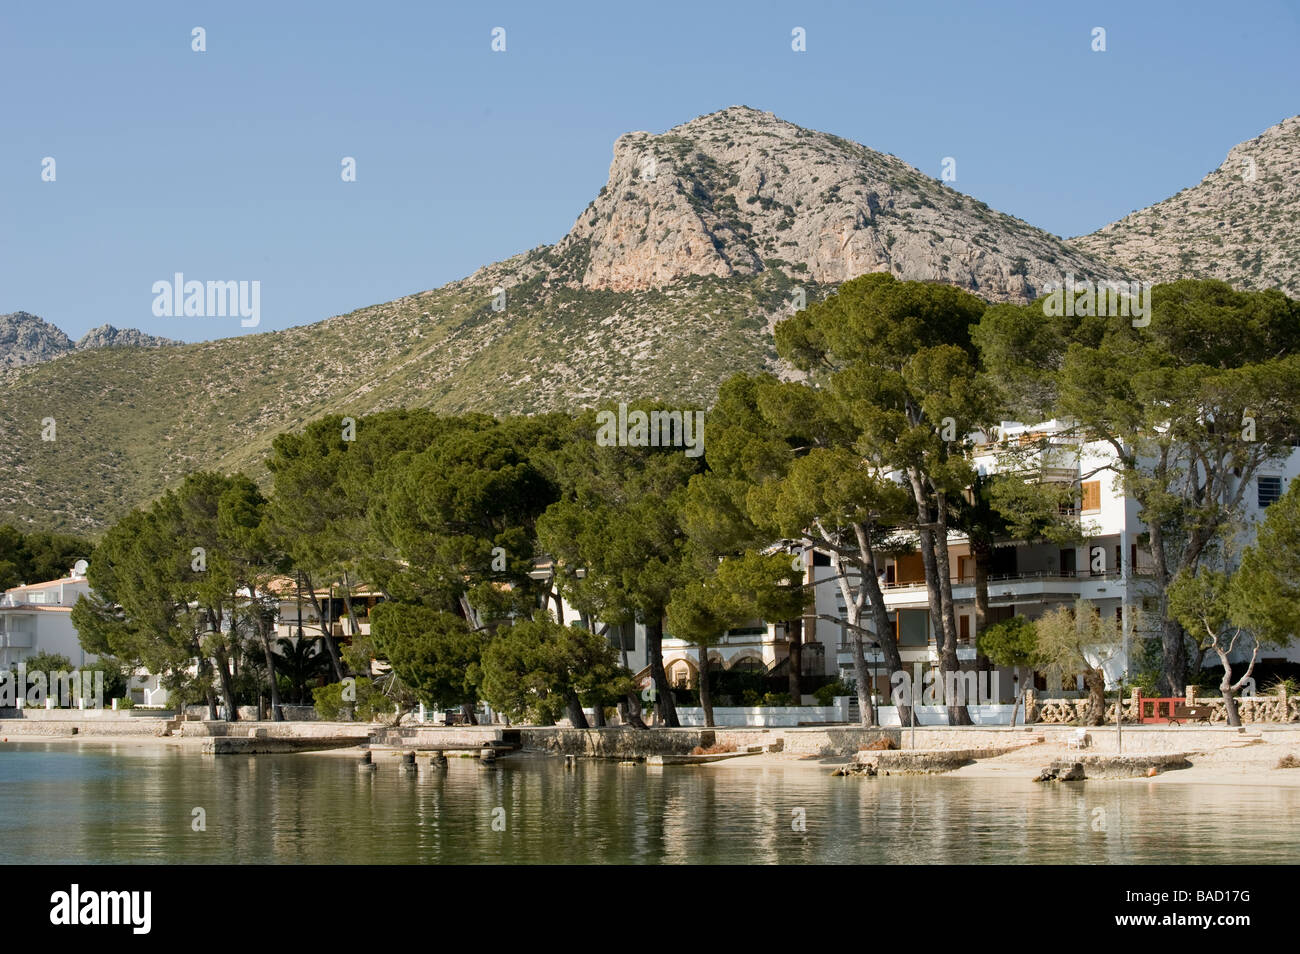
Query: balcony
[[1012, 587]]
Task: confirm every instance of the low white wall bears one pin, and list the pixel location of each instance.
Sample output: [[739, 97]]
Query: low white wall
[[786, 716], [938, 715], [33, 714]]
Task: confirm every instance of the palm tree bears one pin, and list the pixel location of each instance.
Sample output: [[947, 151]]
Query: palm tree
[[301, 661]]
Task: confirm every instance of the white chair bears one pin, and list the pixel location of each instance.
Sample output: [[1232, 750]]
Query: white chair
[[1078, 739]]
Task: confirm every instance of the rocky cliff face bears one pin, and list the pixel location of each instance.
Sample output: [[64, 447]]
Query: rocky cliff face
[[27, 339], [1240, 224], [739, 191], [106, 336]]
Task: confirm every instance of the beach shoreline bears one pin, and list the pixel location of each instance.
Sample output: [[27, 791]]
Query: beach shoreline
[[1237, 762]]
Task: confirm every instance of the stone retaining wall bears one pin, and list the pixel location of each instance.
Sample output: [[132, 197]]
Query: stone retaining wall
[[24, 728], [31, 714], [617, 743], [250, 713], [277, 730], [448, 738]]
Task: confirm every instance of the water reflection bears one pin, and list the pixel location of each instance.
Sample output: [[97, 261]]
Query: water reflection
[[100, 803]]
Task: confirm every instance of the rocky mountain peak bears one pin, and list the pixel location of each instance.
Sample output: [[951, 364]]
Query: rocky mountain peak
[[1241, 223], [27, 339], [739, 191], [107, 336]]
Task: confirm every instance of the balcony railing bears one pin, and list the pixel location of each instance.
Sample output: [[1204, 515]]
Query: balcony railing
[[1026, 577]]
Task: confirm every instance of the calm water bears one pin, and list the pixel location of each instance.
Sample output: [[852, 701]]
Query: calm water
[[93, 803]]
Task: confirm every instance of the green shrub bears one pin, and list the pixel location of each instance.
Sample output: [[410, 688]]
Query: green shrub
[[825, 696], [331, 706]]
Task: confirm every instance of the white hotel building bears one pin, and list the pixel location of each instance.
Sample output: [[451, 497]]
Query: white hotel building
[[1110, 568]]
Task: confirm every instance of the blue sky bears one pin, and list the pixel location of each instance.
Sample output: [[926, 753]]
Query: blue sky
[[225, 164]]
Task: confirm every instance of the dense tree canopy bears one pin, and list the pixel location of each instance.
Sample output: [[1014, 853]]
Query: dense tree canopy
[[472, 527]]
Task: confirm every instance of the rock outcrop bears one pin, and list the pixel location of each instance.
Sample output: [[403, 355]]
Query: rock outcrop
[[1241, 224], [740, 191], [27, 339], [106, 336]]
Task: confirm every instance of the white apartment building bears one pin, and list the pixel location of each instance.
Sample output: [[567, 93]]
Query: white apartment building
[[1110, 567], [37, 618]]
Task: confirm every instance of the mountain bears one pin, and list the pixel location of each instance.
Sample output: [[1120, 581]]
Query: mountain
[[106, 336], [739, 192], [669, 281], [26, 339], [1240, 224]]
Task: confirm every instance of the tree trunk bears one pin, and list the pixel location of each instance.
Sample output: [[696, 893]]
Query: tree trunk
[[794, 628], [227, 684], [1230, 707], [353, 625], [1095, 680], [885, 637], [854, 600], [706, 698], [205, 677], [598, 715], [865, 715], [629, 709], [948, 661], [553, 593], [982, 550], [577, 718], [277, 712], [297, 585], [467, 710], [665, 709], [324, 623], [1173, 657], [928, 563]]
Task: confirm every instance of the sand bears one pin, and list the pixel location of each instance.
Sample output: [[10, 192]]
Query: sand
[[1235, 764], [1241, 762]]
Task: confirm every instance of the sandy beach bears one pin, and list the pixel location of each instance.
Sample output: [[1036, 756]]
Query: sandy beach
[[1245, 761], [1252, 764]]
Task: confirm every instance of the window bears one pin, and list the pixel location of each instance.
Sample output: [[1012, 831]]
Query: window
[[963, 629], [622, 636], [912, 627], [909, 569], [1068, 565], [1269, 489], [1091, 495]]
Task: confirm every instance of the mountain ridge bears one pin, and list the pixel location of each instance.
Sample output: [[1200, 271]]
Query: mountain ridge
[[27, 339], [669, 281], [1235, 224]]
